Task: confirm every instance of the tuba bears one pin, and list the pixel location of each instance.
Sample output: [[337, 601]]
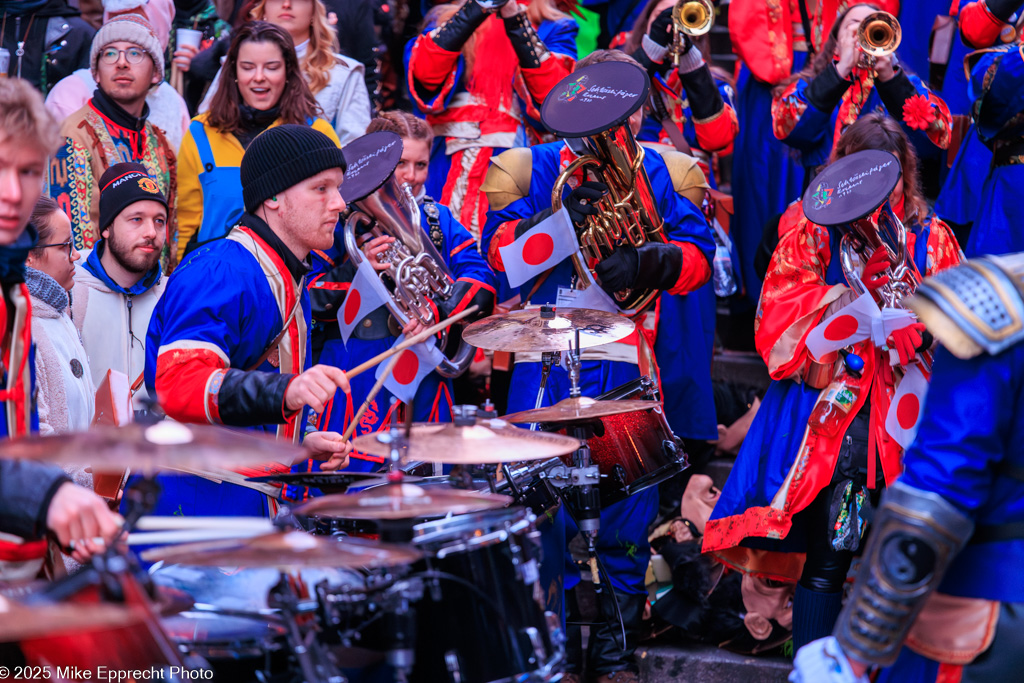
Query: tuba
[[591, 107], [692, 18], [879, 34], [418, 278]]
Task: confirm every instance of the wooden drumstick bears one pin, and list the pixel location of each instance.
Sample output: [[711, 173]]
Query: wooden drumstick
[[412, 341], [369, 398]]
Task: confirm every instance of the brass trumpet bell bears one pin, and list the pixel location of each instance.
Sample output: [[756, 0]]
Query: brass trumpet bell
[[879, 34], [693, 17]]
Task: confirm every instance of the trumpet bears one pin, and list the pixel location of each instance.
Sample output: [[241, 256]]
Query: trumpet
[[879, 34], [692, 18]]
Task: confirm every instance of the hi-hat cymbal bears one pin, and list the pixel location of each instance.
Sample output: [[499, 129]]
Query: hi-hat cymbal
[[402, 501], [146, 448], [526, 330], [577, 409], [23, 622], [485, 443], [329, 482], [287, 549]]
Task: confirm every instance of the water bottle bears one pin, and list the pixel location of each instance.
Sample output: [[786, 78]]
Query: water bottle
[[838, 399], [5, 61], [724, 281]]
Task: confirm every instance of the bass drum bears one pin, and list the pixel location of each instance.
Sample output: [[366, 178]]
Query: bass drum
[[482, 616], [637, 450]]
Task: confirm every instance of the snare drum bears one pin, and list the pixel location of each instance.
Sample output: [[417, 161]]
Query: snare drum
[[482, 618], [638, 450]]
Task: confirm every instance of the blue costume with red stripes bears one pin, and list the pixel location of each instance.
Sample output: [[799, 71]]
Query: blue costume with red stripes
[[216, 354], [623, 543], [331, 276]]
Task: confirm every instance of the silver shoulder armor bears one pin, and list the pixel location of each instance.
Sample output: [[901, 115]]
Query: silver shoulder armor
[[916, 536], [975, 308]]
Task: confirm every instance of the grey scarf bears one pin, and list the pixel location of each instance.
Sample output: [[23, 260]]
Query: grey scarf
[[46, 289]]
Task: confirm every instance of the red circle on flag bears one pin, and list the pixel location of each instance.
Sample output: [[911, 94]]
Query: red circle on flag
[[841, 328], [908, 410], [538, 249], [352, 302], [406, 367]]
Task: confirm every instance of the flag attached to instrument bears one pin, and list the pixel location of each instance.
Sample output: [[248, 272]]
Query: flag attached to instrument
[[859, 320], [907, 406], [414, 363], [365, 295], [543, 246]]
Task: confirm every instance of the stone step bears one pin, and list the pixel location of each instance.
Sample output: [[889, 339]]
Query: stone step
[[661, 663]]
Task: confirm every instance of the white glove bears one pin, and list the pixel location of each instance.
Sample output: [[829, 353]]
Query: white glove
[[823, 661]]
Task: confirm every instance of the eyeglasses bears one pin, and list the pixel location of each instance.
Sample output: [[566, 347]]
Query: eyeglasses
[[134, 55], [66, 245]]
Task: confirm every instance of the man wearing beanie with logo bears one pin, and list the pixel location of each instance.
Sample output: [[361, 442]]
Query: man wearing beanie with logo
[[229, 340], [118, 283], [126, 61]]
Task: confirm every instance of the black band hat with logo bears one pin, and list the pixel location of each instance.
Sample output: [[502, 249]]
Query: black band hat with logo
[[372, 159], [122, 185], [852, 187], [595, 98]]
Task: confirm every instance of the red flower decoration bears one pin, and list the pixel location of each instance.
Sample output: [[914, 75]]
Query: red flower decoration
[[918, 112]]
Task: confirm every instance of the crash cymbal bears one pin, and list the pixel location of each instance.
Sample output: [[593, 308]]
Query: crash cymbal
[[577, 409], [287, 549], [146, 448], [329, 482], [23, 622], [402, 501], [485, 443], [527, 330]]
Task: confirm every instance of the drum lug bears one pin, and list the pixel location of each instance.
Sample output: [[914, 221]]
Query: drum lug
[[562, 476]]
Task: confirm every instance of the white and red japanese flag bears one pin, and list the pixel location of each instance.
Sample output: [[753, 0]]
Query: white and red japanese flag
[[907, 406], [365, 295], [415, 363], [859, 320], [543, 246]]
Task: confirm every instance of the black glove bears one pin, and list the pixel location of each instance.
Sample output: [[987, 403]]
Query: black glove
[[529, 49], [483, 298], [655, 265], [580, 202], [454, 33], [661, 28]]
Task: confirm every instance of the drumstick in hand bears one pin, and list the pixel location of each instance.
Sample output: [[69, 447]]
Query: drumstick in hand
[[412, 341], [369, 398]]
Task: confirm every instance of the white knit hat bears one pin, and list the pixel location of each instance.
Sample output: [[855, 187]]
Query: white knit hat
[[131, 28]]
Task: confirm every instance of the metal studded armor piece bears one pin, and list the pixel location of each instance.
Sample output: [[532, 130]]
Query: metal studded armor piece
[[977, 307], [917, 534]]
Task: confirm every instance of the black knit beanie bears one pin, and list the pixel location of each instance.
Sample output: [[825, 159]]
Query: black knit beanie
[[124, 184], [283, 156]]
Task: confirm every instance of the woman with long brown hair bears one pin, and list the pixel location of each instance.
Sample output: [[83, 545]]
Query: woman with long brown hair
[[792, 506], [266, 88], [813, 107], [337, 82]]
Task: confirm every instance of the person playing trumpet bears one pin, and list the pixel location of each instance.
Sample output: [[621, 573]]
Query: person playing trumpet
[[813, 107]]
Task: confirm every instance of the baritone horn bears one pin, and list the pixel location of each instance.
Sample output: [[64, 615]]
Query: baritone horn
[[692, 18], [879, 34]]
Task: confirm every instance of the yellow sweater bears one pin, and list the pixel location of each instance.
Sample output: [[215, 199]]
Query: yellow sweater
[[227, 152]]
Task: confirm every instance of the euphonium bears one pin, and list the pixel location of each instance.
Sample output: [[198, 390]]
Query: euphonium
[[628, 214], [692, 18], [879, 34], [863, 237], [418, 274]]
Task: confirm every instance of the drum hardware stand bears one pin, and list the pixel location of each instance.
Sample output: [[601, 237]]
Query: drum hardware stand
[[313, 659]]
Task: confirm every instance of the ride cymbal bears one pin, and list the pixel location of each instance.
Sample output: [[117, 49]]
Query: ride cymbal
[[487, 442], [531, 330], [147, 448], [578, 409], [401, 501], [287, 549]]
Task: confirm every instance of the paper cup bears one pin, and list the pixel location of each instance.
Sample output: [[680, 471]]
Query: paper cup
[[188, 36]]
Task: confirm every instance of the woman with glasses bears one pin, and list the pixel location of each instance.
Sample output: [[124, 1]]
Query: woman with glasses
[[66, 393], [266, 88]]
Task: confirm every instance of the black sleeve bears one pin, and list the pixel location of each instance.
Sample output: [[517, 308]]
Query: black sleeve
[[702, 94], [765, 249], [1003, 9], [252, 398], [827, 89], [895, 93], [205, 64], [26, 489]]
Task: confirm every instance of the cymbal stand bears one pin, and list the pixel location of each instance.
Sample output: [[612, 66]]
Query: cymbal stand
[[313, 658]]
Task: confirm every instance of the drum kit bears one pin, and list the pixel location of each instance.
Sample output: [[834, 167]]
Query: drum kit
[[432, 578]]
